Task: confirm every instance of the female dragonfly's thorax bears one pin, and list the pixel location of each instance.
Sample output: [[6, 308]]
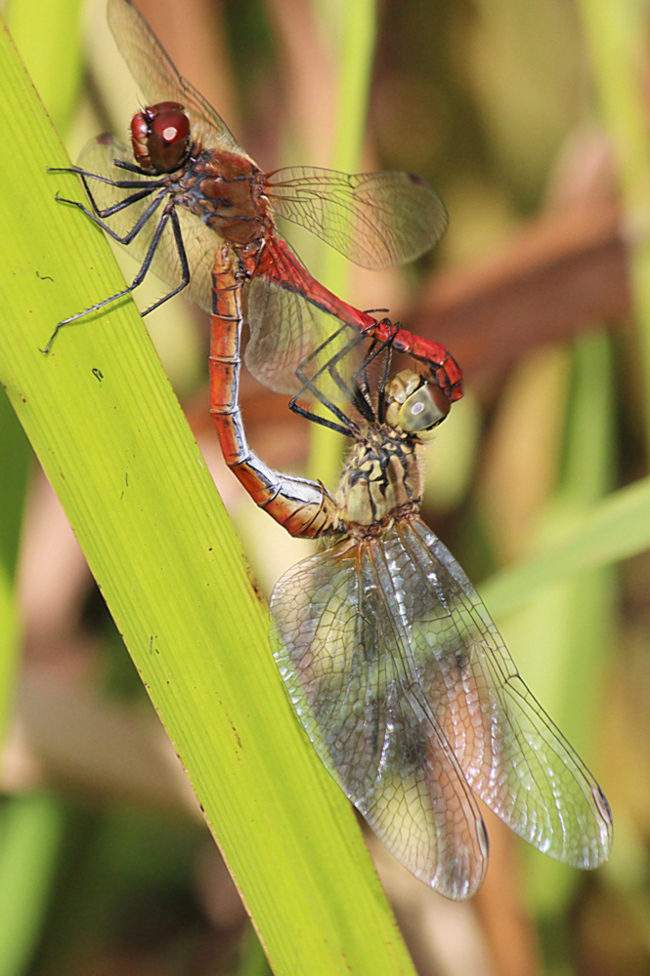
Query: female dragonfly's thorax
[[226, 191], [382, 475]]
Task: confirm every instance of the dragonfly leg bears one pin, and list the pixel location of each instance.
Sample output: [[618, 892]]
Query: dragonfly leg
[[316, 418], [444, 371], [96, 214], [155, 240], [97, 211], [303, 507], [182, 257], [310, 384], [120, 184], [347, 426], [316, 355], [357, 392]]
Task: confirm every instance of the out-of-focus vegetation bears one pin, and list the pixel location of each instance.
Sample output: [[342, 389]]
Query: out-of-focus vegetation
[[512, 110]]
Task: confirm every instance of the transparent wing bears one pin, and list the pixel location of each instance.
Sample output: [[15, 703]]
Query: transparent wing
[[200, 242], [158, 78], [344, 656], [511, 753], [288, 331], [374, 219], [410, 698]]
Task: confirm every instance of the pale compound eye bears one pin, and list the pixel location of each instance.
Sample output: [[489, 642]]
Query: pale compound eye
[[423, 410]]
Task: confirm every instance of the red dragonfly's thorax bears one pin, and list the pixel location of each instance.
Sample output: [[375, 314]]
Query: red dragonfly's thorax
[[226, 192]]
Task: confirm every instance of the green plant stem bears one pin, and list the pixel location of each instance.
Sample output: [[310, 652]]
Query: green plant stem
[[565, 630], [357, 45], [616, 32], [30, 830], [15, 462], [612, 530]]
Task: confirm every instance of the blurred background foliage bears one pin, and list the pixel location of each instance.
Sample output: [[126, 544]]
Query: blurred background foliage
[[530, 120]]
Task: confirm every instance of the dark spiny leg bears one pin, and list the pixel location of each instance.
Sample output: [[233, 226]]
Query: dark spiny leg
[[182, 257], [137, 227], [125, 291]]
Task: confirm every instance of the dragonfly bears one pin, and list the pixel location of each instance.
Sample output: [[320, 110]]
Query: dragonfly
[[390, 658], [185, 185]]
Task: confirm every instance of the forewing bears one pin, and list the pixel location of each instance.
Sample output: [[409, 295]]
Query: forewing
[[374, 219], [158, 78], [200, 242], [344, 654], [510, 751]]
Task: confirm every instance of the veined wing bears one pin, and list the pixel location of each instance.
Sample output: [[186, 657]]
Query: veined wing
[[284, 332], [200, 242], [159, 79], [287, 330], [410, 698], [374, 219], [343, 652], [512, 754]]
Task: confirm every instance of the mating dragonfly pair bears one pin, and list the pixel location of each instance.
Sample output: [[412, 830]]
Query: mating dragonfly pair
[[390, 658]]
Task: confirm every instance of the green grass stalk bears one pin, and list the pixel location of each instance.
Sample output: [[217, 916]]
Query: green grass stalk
[[30, 831], [357, 44], [616, 33]]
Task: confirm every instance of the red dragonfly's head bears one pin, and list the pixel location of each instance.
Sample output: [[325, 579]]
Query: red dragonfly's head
[[160, 136]]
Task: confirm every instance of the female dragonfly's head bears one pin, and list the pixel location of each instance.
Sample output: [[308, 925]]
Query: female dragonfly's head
[[382, 476], [413, 406], [403, 409]]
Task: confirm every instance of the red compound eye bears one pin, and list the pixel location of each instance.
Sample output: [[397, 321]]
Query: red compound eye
[[160, 137]]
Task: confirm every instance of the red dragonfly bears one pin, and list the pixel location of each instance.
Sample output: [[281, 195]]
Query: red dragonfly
[[185, 185], [391, 660]]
